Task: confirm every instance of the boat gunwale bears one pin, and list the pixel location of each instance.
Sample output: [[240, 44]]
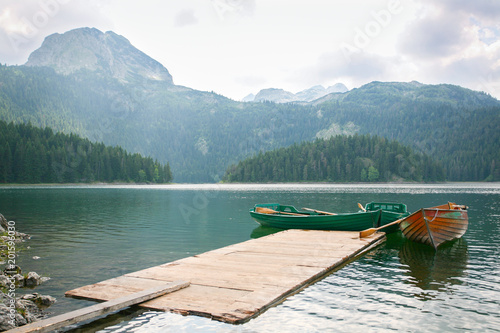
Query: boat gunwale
[[308, 214], [315, 214]]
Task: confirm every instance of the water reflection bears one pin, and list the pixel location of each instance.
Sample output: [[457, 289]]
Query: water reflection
[[88, 234], [429, 269], [115, 318], [261, 231]]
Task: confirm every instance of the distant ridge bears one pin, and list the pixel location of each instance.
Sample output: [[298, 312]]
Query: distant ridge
[[282, 96], [107, 53]]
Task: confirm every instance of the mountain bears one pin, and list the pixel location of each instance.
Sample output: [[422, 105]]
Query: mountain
[[107, 53], [248, 98], [109, 94], [316, 92], [337, 88], [274, 95], [283, 96]]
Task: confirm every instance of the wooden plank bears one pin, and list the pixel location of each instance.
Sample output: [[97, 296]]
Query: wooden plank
[[252, 263], [93, 311], [238, 282], [116, 287], [216, 277]]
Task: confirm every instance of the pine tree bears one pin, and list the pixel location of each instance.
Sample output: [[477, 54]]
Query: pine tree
[[40, 155]]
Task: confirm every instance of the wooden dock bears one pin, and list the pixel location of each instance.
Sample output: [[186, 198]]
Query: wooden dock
[[238, 282], [90, 312]]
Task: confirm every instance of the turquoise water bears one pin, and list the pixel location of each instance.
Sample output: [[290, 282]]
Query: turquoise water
[[85, 234]]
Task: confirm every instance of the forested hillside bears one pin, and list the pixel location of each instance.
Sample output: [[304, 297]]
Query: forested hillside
[[358, 158], [202, 133], [456, 126], [199, 133], [33, 155]]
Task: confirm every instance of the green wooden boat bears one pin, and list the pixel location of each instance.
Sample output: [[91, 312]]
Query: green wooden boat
[[288, 217], [390, 212]]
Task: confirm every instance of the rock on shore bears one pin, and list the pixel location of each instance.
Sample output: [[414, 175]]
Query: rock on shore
[[29, 308], [18, 310]]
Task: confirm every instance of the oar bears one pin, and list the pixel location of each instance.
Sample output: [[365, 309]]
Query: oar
[[361, 207], [318, 211], [371, 231], [264, 210]]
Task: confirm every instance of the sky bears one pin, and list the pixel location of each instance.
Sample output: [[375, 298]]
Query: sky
[[238, 47]]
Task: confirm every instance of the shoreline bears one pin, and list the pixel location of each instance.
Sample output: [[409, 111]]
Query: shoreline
[[18, 308], [119, 184]]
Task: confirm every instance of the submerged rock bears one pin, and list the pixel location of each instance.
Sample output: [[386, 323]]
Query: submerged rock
[[32, 280], [42, 301]]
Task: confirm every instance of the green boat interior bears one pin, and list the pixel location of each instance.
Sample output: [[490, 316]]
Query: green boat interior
[[391, 207], [372, 206], [285, 209]]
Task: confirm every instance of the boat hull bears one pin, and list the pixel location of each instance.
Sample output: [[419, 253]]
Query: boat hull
[[374, 214], [288, 217], [346, 222], [435, 226], [388, 217]]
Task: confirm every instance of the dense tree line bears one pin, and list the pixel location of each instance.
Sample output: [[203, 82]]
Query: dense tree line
[[34, 155], [358, 158]]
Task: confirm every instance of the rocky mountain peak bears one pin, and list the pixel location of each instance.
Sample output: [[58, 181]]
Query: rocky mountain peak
[[274, 95], [105, 53], [282, 96]]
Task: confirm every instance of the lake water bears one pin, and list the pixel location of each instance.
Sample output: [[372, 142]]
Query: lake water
[[86, 234]]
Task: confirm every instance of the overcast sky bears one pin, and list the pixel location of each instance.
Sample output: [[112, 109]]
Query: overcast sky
[[237, 47]]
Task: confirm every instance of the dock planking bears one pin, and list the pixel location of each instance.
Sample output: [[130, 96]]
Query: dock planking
[[238, 282], [53, 323]]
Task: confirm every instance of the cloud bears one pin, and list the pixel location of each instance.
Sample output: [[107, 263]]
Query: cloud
[[479, 72], [455, 41], [437, 36], [451, 27], [250, 80], [233, 8], [292, 47], [185, 17], [445, 43], [359, 68], [489, 35], [24, 24], [488, 10]]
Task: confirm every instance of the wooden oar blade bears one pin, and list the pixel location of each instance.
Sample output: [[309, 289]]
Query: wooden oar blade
[[371, 231], [367, 232], [264, 210]]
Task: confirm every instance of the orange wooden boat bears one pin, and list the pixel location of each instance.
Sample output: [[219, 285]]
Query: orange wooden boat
[[436, 225]]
